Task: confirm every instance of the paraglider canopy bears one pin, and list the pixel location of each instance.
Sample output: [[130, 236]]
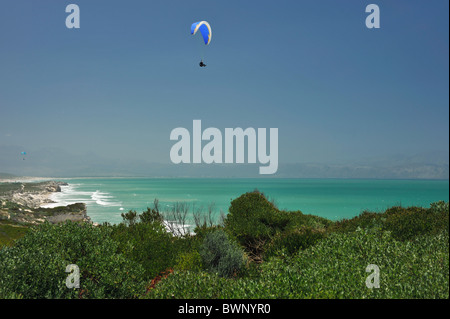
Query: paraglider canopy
[[205, 30]]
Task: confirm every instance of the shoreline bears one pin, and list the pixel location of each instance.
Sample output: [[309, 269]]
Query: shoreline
[[31, 194], [25, 203], [108, 198]]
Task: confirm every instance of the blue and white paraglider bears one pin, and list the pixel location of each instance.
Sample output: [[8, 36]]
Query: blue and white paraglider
[[23, 155], [206, 32]]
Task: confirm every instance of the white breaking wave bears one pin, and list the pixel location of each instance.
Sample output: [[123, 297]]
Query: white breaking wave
[[177, 229], [70, 195], [104, 199]]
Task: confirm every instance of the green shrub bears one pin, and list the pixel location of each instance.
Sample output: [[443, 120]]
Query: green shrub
[[147, 243], [293, 240], [252, 218], [366, 220], [255, 223], [35, 266], [220, 255], [334, 267], [130, 218], [408, 223], [190, 285], [203, 230], [150, 216], [405, 223], [440, 207], [189, 261], [296, 219]]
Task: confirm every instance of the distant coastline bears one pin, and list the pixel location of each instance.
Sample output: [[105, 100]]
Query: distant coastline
[[23, 199], [106, 198]]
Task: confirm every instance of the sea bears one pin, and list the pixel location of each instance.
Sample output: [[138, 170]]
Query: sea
[[335, 199]]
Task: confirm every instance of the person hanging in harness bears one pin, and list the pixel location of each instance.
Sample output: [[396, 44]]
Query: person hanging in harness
[[206, 32]]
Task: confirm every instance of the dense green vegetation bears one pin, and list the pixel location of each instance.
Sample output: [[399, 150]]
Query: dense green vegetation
[[10, 231], [258, 251], [35, 266]]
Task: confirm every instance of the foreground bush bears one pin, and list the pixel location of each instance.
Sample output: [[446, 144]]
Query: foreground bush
[[291, 241], [408, 223], [333, 268], [405, 223], [220, 255], [259, 226], [305, 256], [149, 244], [35, 266], [253, 218]]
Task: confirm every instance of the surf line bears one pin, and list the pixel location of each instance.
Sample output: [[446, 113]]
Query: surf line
[[212, 152]]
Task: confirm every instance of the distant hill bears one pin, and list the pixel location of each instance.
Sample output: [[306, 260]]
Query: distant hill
[[60, 163]]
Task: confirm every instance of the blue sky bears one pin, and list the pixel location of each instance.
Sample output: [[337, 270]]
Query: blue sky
[[116, 87]]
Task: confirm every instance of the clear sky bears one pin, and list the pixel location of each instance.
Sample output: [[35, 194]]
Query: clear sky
[[115, 88]]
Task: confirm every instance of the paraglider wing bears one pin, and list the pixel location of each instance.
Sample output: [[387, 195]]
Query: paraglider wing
[[205, 30]]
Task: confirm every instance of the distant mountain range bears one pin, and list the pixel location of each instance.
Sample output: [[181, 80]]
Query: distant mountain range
[[58, 163]]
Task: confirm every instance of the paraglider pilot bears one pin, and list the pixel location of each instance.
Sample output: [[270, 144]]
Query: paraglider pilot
[[205, 30]]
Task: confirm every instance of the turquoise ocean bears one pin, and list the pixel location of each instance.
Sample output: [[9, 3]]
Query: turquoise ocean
[[107, 198]]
